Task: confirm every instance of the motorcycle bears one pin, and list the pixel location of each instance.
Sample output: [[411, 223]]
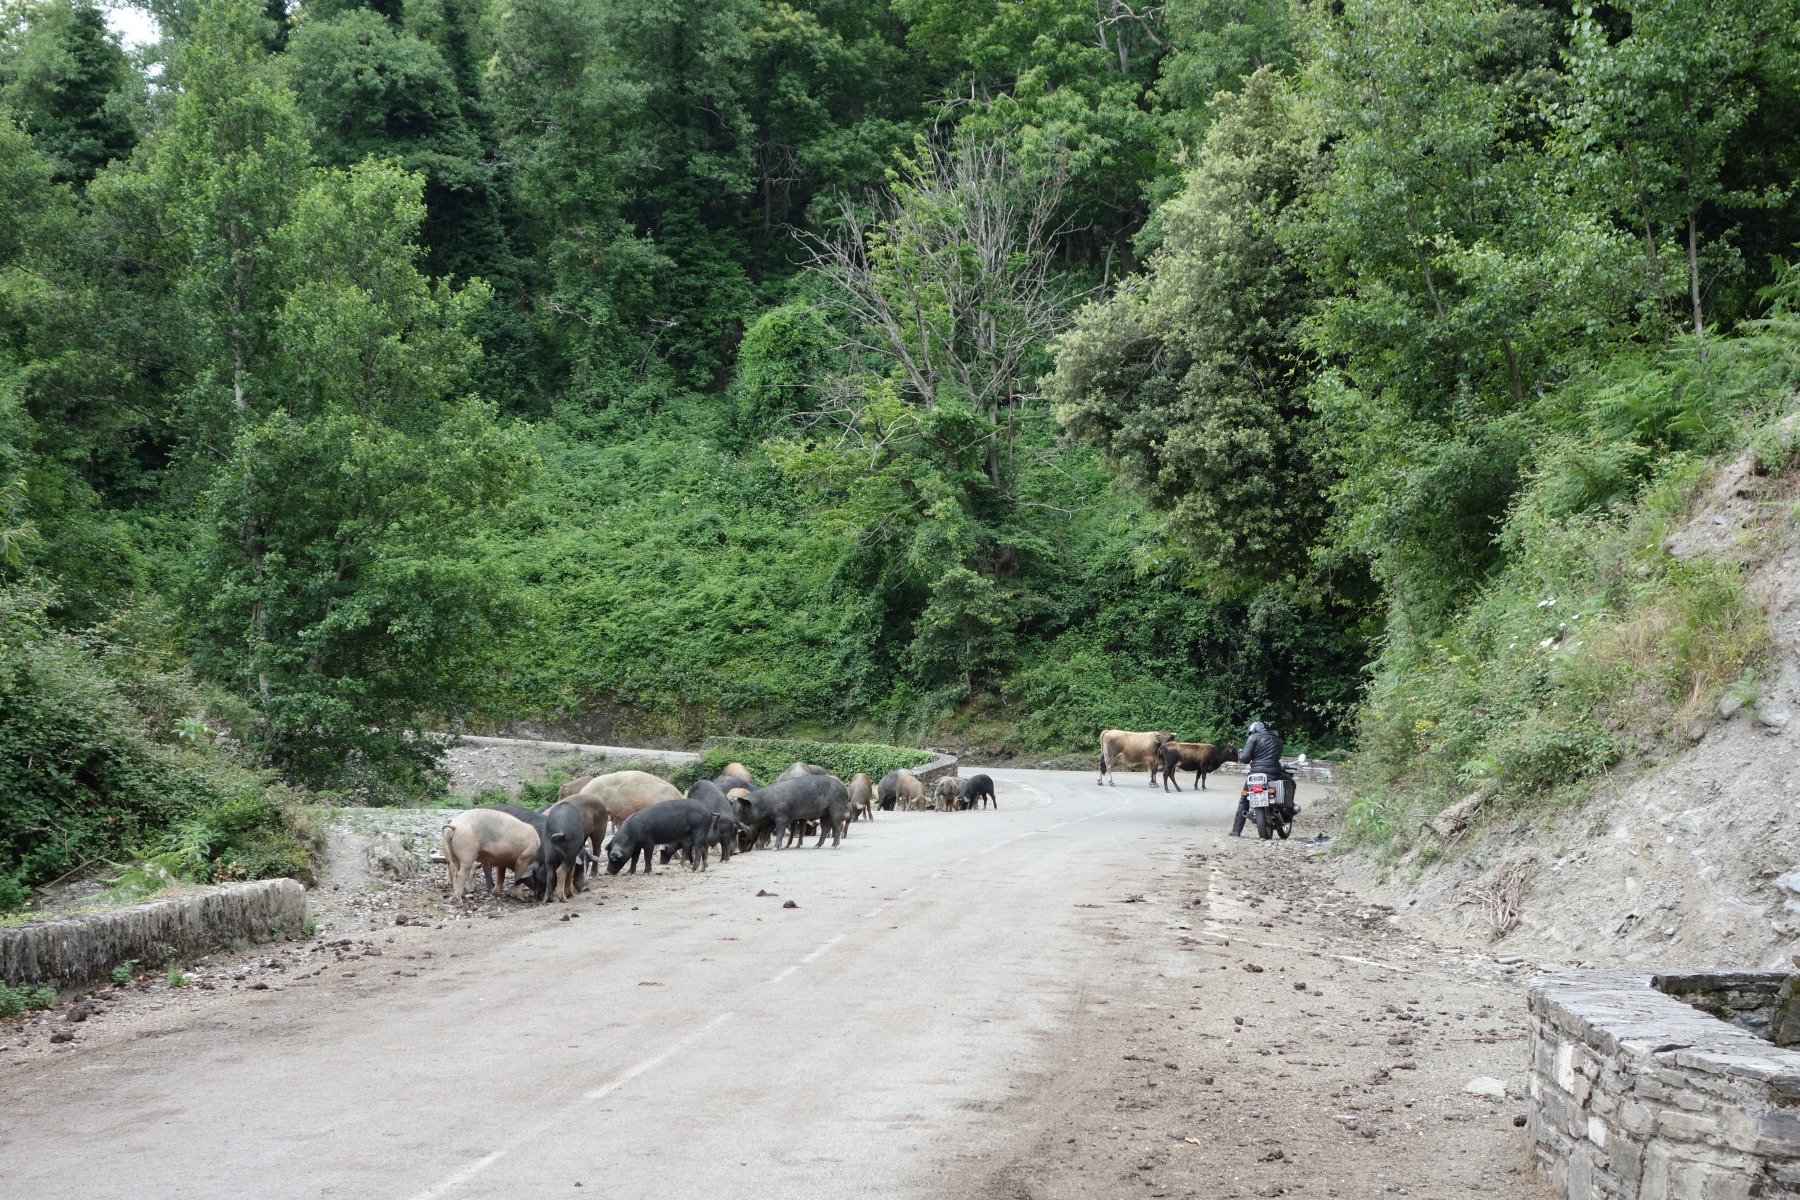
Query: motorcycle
[[1271, 805]]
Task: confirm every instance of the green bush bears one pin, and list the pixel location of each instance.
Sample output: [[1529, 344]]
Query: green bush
[[101, 759], [15, 1000], [769, 757]]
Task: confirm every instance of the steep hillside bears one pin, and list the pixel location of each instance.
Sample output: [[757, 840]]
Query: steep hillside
[[1693, 861]]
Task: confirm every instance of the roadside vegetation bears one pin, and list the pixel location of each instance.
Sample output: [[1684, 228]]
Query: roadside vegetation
[[887, 370]]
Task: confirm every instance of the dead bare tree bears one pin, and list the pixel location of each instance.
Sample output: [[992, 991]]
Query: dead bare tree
[[948, 277]]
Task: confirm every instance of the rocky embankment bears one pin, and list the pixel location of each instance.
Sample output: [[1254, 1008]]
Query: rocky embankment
[[1692, 863]]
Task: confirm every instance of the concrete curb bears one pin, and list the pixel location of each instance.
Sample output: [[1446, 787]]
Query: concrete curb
[[612, 753], [72, 952]]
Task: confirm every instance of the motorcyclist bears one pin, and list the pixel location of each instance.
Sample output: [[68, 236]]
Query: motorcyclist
[[1261, 751]]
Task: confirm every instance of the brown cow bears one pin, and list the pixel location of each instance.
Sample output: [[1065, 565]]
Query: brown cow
[[1132, 749], [1202, 758]]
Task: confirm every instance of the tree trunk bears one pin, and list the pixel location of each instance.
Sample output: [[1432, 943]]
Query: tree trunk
[[1694, 275], [1637, 187], [1512, 371]]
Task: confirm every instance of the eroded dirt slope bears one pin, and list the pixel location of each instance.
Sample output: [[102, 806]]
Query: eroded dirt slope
[[1692, 863]]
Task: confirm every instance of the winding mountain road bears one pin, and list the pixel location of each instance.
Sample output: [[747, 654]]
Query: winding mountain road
[[686, 1037]]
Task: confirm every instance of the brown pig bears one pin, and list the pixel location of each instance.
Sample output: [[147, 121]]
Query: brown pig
[[945, 793], [574, 785], [910, 791], [862, 795]]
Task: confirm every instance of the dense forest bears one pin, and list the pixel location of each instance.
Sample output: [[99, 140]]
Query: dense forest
[[988, 370]]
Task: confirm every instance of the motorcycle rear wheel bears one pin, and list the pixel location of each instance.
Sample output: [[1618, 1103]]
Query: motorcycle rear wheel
[[1261, 817]]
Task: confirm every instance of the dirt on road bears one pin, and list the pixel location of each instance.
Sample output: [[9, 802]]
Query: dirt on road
[[1277, 1036]]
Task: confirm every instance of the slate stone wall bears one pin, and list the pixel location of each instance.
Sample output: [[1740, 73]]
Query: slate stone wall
[[73, 952], [936, 769], [1637, 1095]]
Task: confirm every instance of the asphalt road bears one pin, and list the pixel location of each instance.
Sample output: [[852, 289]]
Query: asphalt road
[[684, 1038]]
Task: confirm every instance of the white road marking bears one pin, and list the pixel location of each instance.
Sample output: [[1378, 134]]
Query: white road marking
[[814, 956], [464, 1174], [785, 973], [461, 1177], [658, 1059]]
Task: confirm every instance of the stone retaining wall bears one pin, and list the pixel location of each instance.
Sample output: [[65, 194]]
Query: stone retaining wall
[[73, 952], [1638, 1095], [936, 769], [1311, 772]]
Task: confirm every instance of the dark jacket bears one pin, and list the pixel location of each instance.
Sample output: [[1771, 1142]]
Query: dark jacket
[[1263, 753]]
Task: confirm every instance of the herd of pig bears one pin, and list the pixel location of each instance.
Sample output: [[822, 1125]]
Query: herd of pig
[[551, 850]]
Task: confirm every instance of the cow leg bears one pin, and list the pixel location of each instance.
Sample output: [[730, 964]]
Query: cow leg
[[1199, 781]]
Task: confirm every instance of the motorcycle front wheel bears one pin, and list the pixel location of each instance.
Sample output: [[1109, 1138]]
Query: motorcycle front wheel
[[1261, 816], [1283, 827]]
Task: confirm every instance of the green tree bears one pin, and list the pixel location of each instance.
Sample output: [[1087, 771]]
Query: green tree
[[1652, 119], [1447, 255], [1070, 81], [64, 76], [353, 607], [929, 435], [1214, 46], [1192, 381], [372, 89]]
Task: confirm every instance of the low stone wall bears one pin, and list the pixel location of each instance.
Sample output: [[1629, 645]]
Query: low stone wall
[[936, 769], [1765, 1003], [1310, 771], [1636, 1094], [73, 952]]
